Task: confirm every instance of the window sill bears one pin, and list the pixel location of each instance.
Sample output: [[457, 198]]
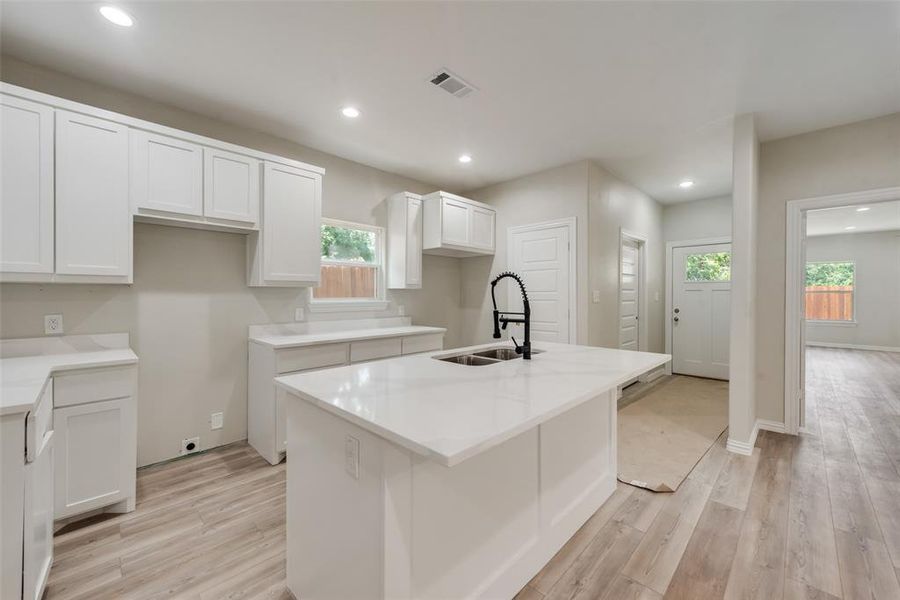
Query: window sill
[[327, 306], [833, 323]]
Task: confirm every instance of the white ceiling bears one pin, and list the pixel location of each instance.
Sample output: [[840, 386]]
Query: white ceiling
[[881, 216], [647, 89]]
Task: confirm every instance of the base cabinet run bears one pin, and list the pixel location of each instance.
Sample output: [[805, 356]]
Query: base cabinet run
[[418, 529], [266, 420], [96, 435]]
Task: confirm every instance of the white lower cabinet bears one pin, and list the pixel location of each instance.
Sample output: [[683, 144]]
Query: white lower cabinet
[[96, 437], [265, 403]]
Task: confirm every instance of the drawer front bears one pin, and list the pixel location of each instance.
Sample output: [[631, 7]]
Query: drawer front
[[374, 349], [423, 343], [312, 357], [81, 387]]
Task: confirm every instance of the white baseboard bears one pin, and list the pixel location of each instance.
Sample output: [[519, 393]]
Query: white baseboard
[[853, 346], [652, 375], [740, 447], [768, 425]]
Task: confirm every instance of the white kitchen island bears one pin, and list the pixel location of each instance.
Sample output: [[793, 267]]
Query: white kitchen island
[[417, 478]]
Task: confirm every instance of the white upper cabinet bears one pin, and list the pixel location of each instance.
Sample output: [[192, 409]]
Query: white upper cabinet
[[286, 251], [231, 186], [26, 186], [166, 175], [457, 226], [404, 233], [93, 215]]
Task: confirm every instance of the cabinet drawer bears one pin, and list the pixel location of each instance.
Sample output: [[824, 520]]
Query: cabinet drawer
[[423, 343], [374, 349], [312, 357], [81, 387]]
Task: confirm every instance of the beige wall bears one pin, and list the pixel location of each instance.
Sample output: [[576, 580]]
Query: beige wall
[[710, 217], [614, 205], [877, 288], [601, 204], [855, 157], [552, 194], [189, 307]]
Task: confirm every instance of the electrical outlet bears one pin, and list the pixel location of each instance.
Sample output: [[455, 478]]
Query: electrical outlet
[[53, 324], [216, 419], [299, 314], [190, 446], [351, 456]]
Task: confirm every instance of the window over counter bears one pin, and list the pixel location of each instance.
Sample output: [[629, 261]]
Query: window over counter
[[352, 257], [708, 267], [830, 291]]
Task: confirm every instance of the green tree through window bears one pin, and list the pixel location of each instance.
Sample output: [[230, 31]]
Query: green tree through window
[[711, 266], [344, 243], [834, 273]]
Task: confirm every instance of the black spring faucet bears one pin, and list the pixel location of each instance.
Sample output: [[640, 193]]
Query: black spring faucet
[[500, 317]]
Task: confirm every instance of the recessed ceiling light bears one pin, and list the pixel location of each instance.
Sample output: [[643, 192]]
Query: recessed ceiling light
[[465, 159], [686, 184], [116, 15], [850, 228], [863, 209], [351, 112]]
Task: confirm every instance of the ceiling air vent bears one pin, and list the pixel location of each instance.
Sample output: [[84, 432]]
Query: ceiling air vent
[[452, 84]]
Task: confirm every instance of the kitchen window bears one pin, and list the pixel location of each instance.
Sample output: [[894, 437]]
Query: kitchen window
[[830, 291], [352, 271]]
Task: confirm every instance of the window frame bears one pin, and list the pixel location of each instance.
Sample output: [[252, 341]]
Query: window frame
[[842, 323], [380, 301]]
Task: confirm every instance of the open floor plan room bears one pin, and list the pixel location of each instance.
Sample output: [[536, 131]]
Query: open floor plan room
[[449, 300]]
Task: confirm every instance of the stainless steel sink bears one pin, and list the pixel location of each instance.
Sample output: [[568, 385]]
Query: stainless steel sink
[[502, 353], [469, 359]]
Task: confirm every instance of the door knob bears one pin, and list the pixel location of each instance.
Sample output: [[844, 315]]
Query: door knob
[[677, 310], [675, 319]]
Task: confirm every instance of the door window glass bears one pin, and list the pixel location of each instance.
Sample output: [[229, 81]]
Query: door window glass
[[709, 266]]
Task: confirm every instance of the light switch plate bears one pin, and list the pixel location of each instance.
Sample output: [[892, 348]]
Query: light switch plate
[[299, 314], [216, 420], [53, 324], [596, 296], [351, 456]]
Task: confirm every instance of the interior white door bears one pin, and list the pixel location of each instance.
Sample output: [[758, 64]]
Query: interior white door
[[540, 255], [701, 310], [93, 215], [630, 295], [26, 186]]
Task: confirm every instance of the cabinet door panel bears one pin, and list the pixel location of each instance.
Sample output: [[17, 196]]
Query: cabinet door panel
[[455, 222], [166, 174], [482, 224], [93, 217], [414, 244], [231, 186], [291, 229], [94, 458], [26, 186]]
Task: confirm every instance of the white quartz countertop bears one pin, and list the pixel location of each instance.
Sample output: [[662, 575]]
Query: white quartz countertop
[[450, 412], [309, 339], [27, 365]]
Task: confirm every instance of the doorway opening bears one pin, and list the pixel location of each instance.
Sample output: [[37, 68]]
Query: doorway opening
[[842, 330]]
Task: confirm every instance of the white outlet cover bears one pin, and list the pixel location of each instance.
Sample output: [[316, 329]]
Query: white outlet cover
[[184, 445], [351, 456], [216, 420], [299, 314], [53, 324]]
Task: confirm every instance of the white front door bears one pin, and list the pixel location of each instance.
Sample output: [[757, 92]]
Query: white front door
[[540, 255], [630, 295], [701, 310]]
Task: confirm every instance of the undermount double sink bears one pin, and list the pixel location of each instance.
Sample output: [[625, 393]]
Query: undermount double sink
[[489, 356]]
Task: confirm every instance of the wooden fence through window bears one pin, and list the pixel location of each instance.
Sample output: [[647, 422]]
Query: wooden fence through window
[[829, 302], [345, 281]]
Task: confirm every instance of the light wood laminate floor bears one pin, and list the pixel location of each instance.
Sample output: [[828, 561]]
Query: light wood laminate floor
[[816, 516]]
